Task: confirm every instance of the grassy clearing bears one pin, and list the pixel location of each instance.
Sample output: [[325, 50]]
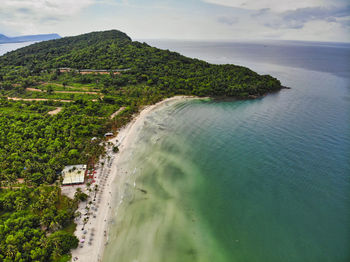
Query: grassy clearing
[[69, 87]]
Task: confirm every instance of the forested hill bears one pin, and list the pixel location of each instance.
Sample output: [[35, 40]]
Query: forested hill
[[167, 71]]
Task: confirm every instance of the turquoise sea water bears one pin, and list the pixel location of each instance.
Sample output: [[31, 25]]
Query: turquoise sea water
[[258, 180]]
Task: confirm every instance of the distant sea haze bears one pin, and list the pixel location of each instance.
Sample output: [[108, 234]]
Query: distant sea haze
[[316, 56], [258, 180], [4, 48], [27, 38], [8, 44]]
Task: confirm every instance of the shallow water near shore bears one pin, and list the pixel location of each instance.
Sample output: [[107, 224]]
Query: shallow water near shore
[[257, 180]]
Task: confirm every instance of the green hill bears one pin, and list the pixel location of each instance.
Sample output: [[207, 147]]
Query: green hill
[[169, 71]]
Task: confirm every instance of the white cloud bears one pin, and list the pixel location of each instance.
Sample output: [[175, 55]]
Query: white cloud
[[318, 31], [181, 19], [273, 5], [46, 7], [25, 16]]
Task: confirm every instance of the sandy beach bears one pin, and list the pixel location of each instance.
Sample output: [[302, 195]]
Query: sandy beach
[[96, 212]]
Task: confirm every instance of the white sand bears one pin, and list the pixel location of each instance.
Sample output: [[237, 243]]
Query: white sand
[[97, 226]]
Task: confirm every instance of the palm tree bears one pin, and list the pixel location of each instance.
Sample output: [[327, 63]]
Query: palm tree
[[54, 225], [11, 251], [20, 203]]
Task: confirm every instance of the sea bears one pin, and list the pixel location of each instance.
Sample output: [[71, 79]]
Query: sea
[[264, 180], [4, 48]]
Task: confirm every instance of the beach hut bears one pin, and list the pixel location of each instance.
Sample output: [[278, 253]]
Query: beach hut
[[74, 174]]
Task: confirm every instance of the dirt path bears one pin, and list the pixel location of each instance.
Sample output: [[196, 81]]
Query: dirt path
[[76, 92], [117, 112], [33, 89], [63, 92], [38, 99], [56, 111]]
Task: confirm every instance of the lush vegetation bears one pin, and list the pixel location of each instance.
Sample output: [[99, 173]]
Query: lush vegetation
[[35, 144], [32, 224]]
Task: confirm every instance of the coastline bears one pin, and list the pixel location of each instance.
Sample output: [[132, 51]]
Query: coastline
[[110, 181]]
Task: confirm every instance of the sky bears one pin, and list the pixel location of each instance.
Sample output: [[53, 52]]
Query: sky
[[309, 20]]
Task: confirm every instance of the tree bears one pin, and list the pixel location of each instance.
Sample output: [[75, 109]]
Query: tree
[[37, 178], [60, 242], [80, 196], [21, 203], [115, 149], [49, 89], [73, 153]]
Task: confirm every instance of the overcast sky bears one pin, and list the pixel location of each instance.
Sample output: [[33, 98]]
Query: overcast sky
[[316, 20]]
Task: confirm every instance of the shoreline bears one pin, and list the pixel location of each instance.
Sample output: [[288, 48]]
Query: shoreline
[[93, 237]]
